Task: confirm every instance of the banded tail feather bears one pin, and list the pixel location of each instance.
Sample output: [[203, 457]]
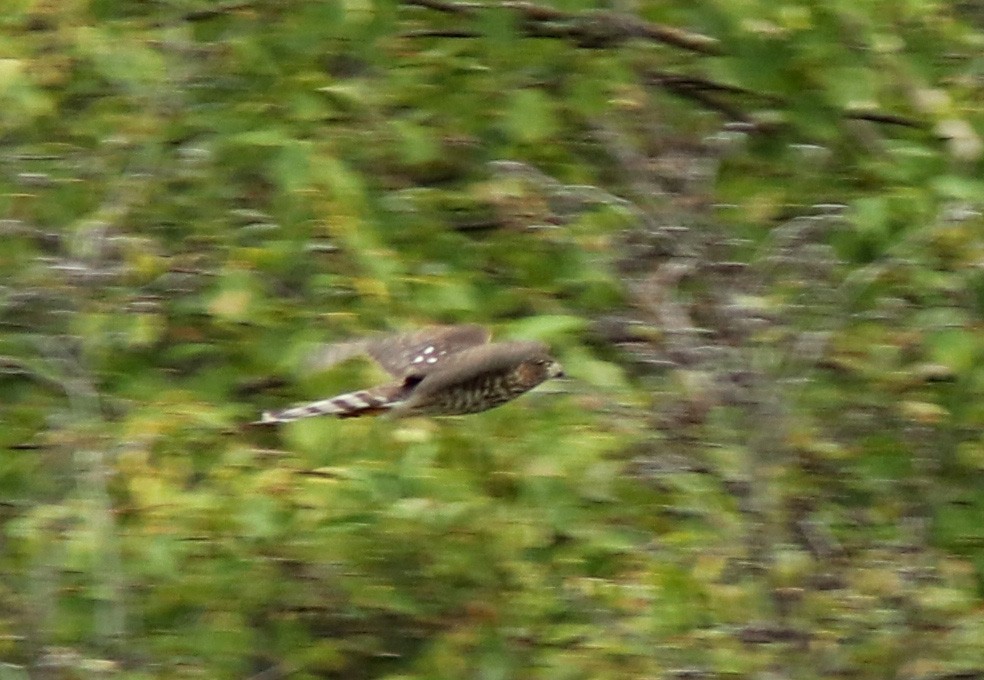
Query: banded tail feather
[[352, 405]]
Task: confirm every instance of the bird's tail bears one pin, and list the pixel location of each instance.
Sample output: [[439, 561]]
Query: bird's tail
[[371, 402]]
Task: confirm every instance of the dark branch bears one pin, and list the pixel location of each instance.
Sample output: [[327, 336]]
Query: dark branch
[[589, 29]]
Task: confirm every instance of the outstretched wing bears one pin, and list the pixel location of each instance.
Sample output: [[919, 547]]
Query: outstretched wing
[[420, 352], [405, 354]]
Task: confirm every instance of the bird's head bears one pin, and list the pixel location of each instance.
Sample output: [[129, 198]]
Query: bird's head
[[554, 369], [539, 367]]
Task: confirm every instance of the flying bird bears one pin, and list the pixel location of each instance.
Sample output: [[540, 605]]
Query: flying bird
[[437, 371]]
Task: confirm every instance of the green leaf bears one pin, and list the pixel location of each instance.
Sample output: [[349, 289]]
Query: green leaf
[[530, 116], [958, 349], [546, 327], [292, 166]]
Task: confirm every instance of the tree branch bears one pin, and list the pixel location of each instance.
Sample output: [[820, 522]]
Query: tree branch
[[590, 29]]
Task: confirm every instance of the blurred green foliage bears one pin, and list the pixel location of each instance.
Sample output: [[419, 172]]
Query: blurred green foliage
[[752, 232]]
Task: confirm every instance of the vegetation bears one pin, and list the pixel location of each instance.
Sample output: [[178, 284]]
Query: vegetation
[[751, 231]]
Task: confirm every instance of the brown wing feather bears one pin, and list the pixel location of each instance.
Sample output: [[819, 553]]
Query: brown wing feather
[[396, 354], [494, 359], [421, 352]]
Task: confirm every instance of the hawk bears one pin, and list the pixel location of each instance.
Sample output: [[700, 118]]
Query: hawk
[[438, 371]]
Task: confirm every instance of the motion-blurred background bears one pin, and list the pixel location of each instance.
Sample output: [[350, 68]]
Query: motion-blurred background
[[751, 231]]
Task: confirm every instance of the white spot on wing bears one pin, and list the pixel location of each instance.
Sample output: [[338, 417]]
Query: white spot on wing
[[429, 350], [417, 360], [431, 360]]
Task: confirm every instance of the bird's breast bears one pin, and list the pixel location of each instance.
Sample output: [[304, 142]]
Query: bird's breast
[[471, 396]]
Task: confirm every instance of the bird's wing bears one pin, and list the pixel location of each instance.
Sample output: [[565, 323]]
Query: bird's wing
[[327, 355], [416, 354]]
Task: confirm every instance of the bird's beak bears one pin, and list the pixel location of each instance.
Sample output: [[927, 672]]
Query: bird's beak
[[555, 370]]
